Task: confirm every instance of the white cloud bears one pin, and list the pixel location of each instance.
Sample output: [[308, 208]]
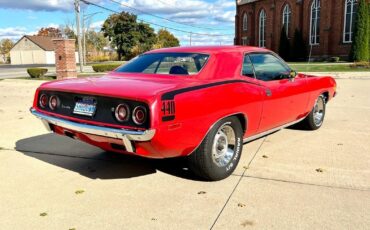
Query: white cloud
[[96, 25], [166, 6], [228, 16], [53, 25], [13, 33], [40, 5], [197, 11], [197, 40], [217, 16]]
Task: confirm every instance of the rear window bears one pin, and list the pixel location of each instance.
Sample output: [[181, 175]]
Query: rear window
[[166, 63]]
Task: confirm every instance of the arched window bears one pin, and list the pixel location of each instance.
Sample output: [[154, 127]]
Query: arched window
[[350, 11], [262, 29], [315, 23], [287, 18], [245, 22]]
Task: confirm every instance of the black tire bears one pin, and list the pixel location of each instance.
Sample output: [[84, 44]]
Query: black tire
[[202, 161], [309, 123]]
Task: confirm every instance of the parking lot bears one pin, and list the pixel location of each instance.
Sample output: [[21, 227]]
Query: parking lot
[[291, 179]]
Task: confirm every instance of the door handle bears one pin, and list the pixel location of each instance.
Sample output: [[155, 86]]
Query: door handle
[[268, 92]]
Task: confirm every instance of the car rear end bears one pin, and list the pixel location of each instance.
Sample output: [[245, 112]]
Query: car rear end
[[111, 123]]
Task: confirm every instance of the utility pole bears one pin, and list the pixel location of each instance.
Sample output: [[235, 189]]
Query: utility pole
[[77, 10], [84, 37]]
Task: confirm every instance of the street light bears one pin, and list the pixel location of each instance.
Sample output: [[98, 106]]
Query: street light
[[84, 31]]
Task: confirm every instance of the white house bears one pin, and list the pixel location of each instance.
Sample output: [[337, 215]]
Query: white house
[[33, 50]]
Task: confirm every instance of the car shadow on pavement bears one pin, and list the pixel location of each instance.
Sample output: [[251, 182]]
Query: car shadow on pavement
[[95, 163]]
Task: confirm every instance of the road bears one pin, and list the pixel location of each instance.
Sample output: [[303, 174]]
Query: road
[[291, 179], [17, 71]]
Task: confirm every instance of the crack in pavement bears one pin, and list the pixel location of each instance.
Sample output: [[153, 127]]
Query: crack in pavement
[[241, 177], [304, 183]]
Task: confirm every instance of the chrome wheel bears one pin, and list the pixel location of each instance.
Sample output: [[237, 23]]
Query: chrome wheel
[[223, 147], [318, 111]]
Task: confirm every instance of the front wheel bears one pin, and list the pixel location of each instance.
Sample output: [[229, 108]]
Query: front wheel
[[219, 153], [316, 117]]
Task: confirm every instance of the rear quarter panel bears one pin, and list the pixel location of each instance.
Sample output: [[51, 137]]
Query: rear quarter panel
[[197, 111], [320, 85]]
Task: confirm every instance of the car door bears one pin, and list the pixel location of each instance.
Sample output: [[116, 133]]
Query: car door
[[285, 97]]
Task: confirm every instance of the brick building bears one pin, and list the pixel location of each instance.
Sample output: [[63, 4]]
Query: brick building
[[326, 25]]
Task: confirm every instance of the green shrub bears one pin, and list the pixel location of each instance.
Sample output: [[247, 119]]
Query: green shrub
[[105, 67], [334, 59], [363, 64], [360, 47], [37, 72], [300, 52], [284, 45], [100, 58]]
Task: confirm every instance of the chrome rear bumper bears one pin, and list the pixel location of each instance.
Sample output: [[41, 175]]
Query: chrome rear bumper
[[127, 136]]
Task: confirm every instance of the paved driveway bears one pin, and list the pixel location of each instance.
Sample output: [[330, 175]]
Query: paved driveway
[[289, 180]]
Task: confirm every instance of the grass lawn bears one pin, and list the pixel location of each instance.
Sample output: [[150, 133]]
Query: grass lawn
[[107, 62], [315, 67], [50, 78]]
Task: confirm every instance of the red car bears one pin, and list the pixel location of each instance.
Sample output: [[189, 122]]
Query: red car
[[202, 103]]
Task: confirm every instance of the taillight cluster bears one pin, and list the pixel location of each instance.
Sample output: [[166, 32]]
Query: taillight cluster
[[114, 111], [51, 102], [123, 113]]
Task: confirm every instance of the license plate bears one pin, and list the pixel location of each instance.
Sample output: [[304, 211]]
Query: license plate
[[86, 107]]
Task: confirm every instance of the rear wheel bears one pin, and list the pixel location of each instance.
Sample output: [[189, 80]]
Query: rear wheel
[[316, 117], [219, 153]]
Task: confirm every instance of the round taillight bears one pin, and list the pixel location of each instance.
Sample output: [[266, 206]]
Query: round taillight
[[139, 115], [122, 112], [43, 101], [53, 102]]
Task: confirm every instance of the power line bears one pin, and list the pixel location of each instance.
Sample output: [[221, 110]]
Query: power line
[[160, 17], [156, 24]]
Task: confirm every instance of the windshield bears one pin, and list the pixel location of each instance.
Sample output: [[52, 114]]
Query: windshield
[[166, 63]]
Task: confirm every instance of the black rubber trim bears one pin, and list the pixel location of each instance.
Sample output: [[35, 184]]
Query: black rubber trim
[[171, 95], [168, 118]]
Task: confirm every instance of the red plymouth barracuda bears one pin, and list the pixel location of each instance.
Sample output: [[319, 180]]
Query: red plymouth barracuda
[[202, 103]]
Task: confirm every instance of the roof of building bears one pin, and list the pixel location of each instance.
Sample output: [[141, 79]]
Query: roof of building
[[209, 49], [45, 43]]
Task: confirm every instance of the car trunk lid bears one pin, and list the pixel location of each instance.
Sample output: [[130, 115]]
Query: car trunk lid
[[130, 86]]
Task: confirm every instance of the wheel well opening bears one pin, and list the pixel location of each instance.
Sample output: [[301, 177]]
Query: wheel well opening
[[243, 121], [326, 95]]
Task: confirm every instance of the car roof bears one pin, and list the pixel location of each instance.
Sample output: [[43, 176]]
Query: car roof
[[209, 49]]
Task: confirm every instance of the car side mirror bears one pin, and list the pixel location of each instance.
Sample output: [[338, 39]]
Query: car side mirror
[[292, 74]]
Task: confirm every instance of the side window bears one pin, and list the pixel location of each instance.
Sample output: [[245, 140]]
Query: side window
[[247, 67], [180, 65], [152, 68], [267, 67]]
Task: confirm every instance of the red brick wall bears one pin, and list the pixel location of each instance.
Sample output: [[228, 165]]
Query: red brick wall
[[331, 24], [268, 7]]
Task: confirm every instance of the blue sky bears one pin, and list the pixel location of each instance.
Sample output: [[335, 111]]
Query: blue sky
[[18, 18]]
